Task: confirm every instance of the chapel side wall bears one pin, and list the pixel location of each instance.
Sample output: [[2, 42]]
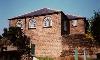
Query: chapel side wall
[[79, 29], [64, 25], [74, 31]]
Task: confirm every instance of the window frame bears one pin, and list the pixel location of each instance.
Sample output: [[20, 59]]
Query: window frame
[[20, 22], [47, 22], [32, 23], [74, 23]]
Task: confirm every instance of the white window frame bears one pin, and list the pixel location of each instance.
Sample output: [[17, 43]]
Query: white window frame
[[74, 23], [32, 23], [19, 24], [47, 22]]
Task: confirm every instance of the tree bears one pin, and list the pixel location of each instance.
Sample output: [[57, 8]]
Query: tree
[[16, 37], [95, 28], [0, 36]]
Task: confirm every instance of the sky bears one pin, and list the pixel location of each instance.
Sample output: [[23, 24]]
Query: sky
[[12, 8]]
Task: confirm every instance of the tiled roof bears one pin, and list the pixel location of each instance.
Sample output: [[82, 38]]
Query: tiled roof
[[36, 13], [71, 17], [43, 12]]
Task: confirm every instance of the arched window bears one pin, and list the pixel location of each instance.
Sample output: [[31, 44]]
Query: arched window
[[47, 22], [32, 23], [19, 24]]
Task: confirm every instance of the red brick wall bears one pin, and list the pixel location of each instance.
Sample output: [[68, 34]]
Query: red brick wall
[[47, 40], [79, 29]]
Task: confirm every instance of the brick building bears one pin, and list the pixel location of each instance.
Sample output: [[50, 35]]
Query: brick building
[[50, 30]]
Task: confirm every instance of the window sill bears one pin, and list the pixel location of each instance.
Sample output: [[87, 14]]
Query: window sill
[[74, 26], [31, 28], [20, 28], [47, 26]]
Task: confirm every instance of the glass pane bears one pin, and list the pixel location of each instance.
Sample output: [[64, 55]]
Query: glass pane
[[32, 23], [19, 24], [74, 22]]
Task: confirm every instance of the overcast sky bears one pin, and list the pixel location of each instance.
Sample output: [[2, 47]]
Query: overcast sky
[[11, 8]]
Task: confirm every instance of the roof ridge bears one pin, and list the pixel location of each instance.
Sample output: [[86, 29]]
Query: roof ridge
[[43, 11], [74, 15], [36, 12]]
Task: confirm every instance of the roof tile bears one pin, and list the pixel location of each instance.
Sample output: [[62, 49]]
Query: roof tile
[[36, 13], [42, 12]]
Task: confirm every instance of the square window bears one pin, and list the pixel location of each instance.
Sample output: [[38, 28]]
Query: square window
[[74, 23]]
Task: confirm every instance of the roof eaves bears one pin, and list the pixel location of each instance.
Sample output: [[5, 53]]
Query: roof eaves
[[71, 17], [19, 17]]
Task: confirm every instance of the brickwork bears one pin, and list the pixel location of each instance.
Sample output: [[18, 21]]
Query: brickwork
[[79, 29], [47, 40]]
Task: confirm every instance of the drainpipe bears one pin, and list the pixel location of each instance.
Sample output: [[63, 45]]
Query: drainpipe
[[76, 53]]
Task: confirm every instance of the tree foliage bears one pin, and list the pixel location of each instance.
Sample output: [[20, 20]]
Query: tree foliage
[[0, 36], [95, 28], [16, 37]]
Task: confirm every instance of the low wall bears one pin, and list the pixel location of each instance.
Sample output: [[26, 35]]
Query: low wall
[[80, 57]]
